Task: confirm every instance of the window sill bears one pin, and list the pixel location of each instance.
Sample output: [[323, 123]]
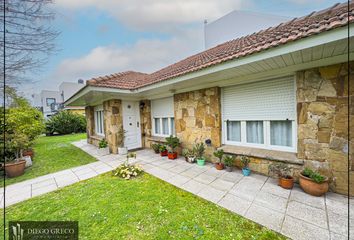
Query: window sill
[[157, 139], [97, 137], [280, 156]]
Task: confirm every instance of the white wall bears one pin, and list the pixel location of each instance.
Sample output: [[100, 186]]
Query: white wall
[[49, 94], [237, 24], [67, 89]]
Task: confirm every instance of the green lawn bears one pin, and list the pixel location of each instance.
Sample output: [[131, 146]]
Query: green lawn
[[53, 154], [144, 208]]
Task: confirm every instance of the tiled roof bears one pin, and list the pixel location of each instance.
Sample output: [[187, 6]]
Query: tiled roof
[[298, 28]]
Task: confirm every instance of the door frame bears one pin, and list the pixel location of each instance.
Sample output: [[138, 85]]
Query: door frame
[[137, 112]]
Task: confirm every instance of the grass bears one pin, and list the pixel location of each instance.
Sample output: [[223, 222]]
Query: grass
[[142, 208], [53, 154]]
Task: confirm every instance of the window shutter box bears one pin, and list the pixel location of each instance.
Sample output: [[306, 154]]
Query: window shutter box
[[162, 107]]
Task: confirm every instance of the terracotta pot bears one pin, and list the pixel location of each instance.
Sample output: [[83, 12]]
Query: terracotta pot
[[219, 166], [164, 153], [28, 152], [287, 183], [311, 187], [172, 155], [15, 169]]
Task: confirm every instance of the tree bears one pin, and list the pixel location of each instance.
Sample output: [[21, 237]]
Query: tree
[[29, 39]]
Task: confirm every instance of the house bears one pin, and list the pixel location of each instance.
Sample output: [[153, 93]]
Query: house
[[280, 94], [49, 102], [237, 24]]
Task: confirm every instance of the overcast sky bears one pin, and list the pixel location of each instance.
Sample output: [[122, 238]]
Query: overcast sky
[[100, 37]]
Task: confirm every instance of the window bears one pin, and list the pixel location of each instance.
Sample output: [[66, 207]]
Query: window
[[164, 126], [99, 123], [49, 101], [162, 113], [260, 114]]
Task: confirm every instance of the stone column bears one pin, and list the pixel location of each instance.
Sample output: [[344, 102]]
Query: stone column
[[113, 120], [90, 122], [145, 118], [198, 117]]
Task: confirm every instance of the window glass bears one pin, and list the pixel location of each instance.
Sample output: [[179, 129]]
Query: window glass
[[157, 126], [254, 132], [165, 129], [281, 133], [99, 122], [173, 126], [49, 101], [234, 131]]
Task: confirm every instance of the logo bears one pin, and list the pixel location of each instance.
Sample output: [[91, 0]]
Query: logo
[[17, 232], [32, 230]]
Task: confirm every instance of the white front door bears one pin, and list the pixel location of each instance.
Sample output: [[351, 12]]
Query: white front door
[[131, 124]]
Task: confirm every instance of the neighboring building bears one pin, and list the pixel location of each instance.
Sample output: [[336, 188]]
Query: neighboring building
[[50, 102], [278, 95], [237, 24]]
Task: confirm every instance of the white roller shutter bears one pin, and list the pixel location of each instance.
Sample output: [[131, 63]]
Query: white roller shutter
[[162, 107], [266, 100]]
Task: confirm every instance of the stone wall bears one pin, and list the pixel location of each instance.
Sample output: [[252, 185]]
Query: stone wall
[[322, 106], [145, 118], [197, 117], [112, 122]]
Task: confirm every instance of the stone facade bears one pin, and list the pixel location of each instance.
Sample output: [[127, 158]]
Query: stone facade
[[198, 117], [145, 118], [322, 106], [113, 121]]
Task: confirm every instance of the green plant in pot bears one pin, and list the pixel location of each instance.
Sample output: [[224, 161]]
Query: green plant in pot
[[219, 154], [189, 155], [229, 161], [172, 142], [156, 147], [313, 183], [199, 149], [283, 172], [246, 171], [103, 148], [163, 151], [122, 150]]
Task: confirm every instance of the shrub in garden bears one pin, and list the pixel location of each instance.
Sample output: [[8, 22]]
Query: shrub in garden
[[126, 170], [65, 122]]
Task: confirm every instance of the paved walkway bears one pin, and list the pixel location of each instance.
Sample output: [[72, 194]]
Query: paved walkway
[[256, 197]]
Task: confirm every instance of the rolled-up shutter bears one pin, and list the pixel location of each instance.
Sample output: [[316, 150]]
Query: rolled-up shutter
[[162, 107], [266, 100]]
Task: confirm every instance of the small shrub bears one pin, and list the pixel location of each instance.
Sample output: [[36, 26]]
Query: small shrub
[[229, 160], [156, 147], [280, 170], [245, 161], [172, 142], [315, 176], [219, 154], [103, 143], [65, 122], [126, 170], [163, 148], [199, 150]]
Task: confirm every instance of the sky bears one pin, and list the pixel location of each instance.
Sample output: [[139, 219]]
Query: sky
[[100, 37]]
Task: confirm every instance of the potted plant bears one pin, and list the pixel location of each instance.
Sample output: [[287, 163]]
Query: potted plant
[[122, 150], [229, 162], [156, 147], [28, 152], [283, 172], [219, 154], [14, 163], [199, 152], [189, 155], [103, 148], [313, 182], [246, 171], [163, 151], [172, 142]]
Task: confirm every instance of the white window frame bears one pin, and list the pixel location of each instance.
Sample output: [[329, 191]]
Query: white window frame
[[170, 131], [98, 109], [266, 135], [266, 132]]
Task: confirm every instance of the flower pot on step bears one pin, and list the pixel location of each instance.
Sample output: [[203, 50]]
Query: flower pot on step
[[311, 187], [28, 152], [201, 162], [103, 151], [228, 169], [287, 183], [190, 159], [219, 166], [246, 171], [164, 153], [28, 161], [122, 151], [15, 169], [172, 156]]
